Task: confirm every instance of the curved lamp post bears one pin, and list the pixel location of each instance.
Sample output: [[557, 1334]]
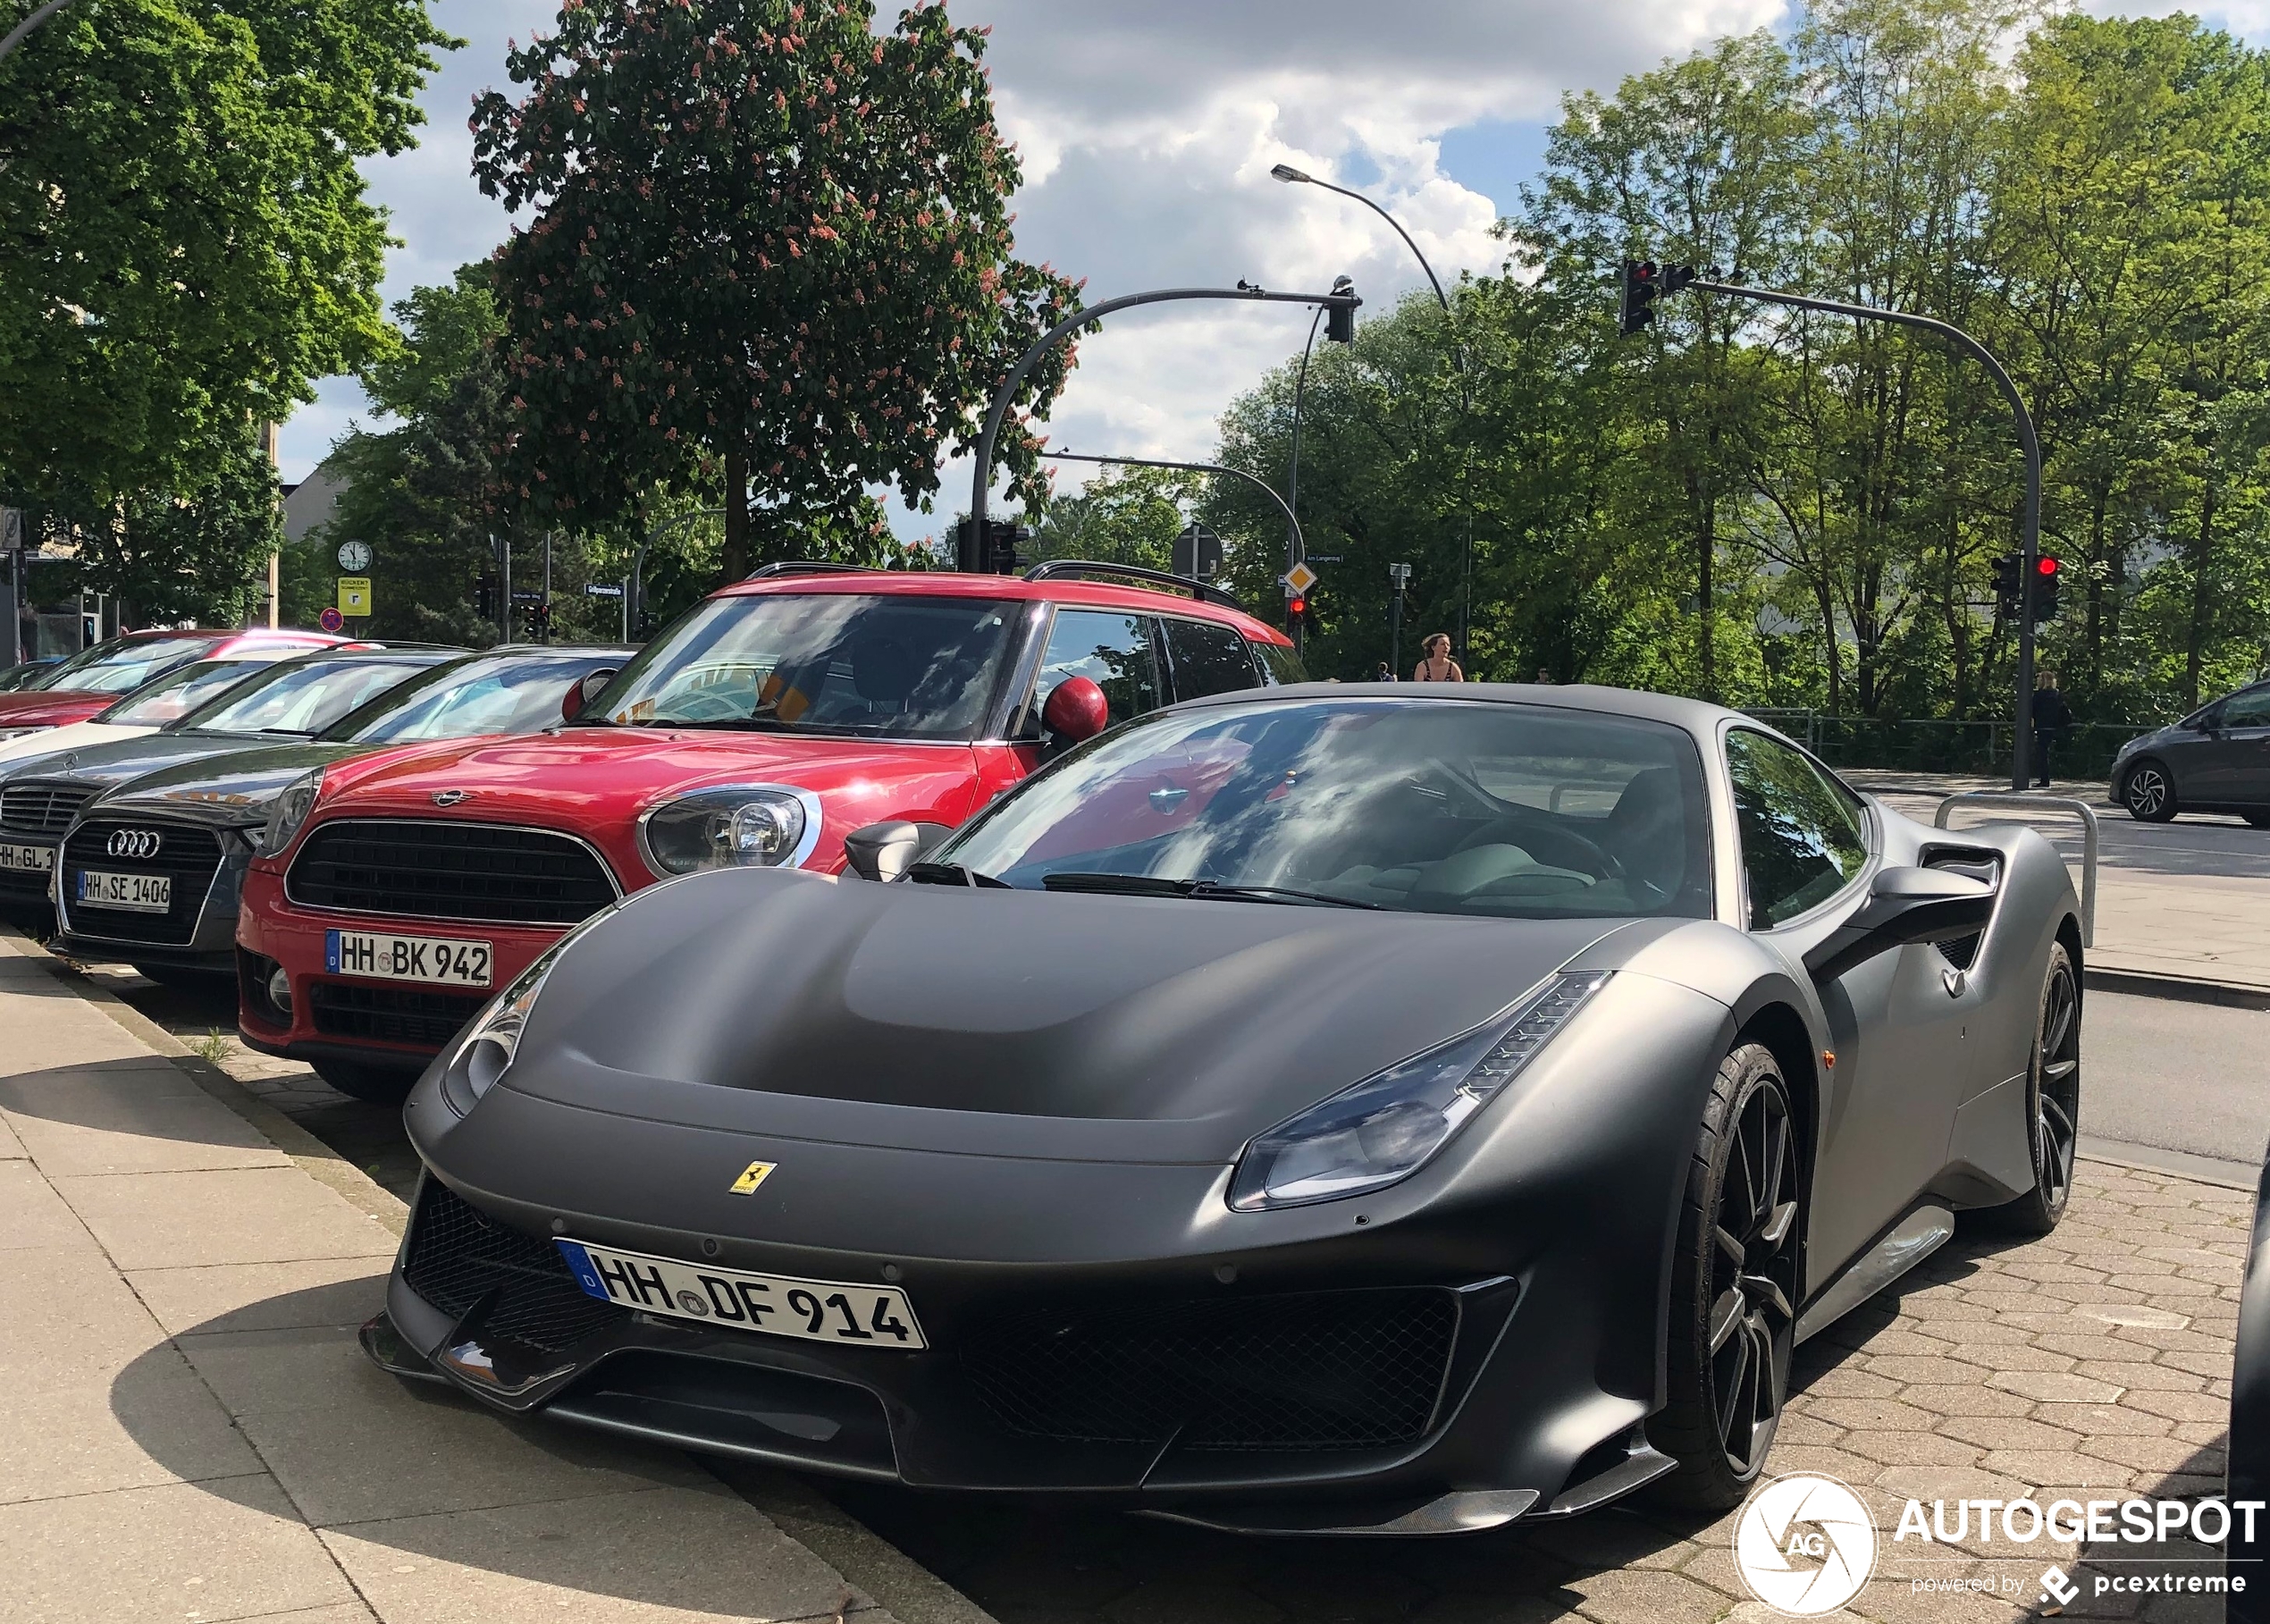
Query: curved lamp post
[[22, 30], [635, 610], [1301, 177], [1295, 548], [981, 476]]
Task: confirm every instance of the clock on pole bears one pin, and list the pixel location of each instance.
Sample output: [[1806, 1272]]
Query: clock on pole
[[354, 557]]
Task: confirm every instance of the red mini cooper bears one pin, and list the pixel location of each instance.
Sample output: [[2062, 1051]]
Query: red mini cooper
[[388, 900]]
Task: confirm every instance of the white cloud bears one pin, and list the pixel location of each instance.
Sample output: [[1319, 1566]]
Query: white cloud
[[1148, 132]]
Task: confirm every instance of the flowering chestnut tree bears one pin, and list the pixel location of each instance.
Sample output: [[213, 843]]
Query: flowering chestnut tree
[[771, 244]]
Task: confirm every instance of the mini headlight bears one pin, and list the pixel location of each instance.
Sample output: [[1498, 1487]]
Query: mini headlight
[[491, 1042], [291, 813], [1387, 1126], [735, 825]]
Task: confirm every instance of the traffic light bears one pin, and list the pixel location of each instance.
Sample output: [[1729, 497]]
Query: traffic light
[[998, 552], [2047, 574], [1642, 284], [2007, 571], [1340, 321], [484, 597]]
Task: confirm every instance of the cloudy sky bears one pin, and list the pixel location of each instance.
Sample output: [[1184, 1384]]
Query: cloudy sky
[[1148, 132]]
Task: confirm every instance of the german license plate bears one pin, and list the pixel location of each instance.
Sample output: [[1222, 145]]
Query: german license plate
[[27, 859], [443, 961], [817, 1310], [133, 893]]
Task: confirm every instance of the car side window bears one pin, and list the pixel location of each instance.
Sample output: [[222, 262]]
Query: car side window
[[1207, 657], [1803, 838], [2246, 711], [1111, 648]]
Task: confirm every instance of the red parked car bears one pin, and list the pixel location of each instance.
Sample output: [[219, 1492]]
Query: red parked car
[[92, 679], [388, 900]]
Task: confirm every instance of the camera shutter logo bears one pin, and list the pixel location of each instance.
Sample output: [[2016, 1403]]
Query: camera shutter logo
[[138, 843], [1805, 1545]]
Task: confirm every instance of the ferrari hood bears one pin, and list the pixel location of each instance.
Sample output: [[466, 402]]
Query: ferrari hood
[[1006, 1021], [105, 765], [230, 790], [603, 769]]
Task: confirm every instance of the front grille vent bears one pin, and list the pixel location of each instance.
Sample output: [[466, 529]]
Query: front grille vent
[[432, 869], [42, 809], [187, 852], [389, 1015], [458, 1255], [1317, 1371]]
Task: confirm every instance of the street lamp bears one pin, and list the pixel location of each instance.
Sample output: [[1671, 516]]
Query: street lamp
[[22, 30], [1301, 177]]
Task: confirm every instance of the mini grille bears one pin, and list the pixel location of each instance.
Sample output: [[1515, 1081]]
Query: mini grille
[[389, 1015], [1329, 1370], [42, 809], [188, 852], [429, 869], [458, 1255]]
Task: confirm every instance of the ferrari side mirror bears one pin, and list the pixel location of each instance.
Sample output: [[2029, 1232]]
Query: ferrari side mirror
[[882, 852], [1076, 710], [580, 693], [1904, 906]]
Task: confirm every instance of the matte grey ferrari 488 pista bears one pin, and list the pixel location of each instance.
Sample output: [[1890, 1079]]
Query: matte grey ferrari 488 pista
[[1327, 1108]]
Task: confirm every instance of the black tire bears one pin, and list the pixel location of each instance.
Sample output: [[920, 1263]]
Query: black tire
[[1734, 1287], [2148, 792], [2053, 1104], [380, 1085]]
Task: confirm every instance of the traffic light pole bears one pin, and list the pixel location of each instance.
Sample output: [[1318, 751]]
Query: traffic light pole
[[2030, 522], [982, 478]]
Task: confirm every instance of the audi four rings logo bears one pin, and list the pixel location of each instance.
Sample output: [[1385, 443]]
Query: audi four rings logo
[[141, 843], [451, 797]]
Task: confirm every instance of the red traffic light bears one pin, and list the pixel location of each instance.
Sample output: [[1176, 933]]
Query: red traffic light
[[1296, 606], [2046, 566]]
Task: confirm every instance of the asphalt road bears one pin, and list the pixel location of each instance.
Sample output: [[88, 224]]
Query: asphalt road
[[2201, 844]]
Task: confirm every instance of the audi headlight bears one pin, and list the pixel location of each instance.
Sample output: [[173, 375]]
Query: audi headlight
[[736, 826], [1386, 1127], [290, 815], [487, 1047]]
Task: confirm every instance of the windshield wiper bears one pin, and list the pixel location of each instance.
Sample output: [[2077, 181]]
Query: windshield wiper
[[953, 874], [1152, 885]]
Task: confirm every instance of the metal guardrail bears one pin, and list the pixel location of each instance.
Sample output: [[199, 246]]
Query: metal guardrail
[[2004, 798]]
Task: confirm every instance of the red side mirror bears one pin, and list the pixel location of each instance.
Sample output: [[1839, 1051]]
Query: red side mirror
[[1076, 710], [582, 691]]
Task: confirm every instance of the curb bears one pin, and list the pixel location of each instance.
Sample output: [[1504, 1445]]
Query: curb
[[2188, 990], [2176, 1164]]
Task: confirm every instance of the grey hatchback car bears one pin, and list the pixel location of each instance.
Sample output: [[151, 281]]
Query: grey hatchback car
[[2216, 760]]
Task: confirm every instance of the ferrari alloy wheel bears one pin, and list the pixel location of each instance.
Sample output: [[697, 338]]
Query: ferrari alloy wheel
[[2148, 794], [1733, 1287], [2053, 1102]]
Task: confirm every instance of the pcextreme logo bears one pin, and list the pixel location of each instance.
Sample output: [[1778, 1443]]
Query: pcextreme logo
[[1805, 1545]]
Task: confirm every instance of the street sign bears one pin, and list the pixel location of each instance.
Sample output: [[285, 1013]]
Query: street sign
[[331, 619], [1300, 578], [594, 589], [527, 597], [1197, 553], [354, 596], [354, 557]]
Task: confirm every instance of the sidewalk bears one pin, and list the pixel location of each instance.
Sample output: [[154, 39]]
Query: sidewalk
[[188, 1431], [2202, 935]]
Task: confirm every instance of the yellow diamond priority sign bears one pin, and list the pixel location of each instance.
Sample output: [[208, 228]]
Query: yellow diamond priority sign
[[1300, 578]]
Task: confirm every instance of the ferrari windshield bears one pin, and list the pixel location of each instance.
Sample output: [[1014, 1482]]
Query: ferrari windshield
[[123, 665], [1433, 806], [892, 664], [302, 698]]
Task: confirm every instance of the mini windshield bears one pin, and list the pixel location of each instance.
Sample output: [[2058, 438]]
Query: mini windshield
[[1459, 807], [120, 667], [175, 695], [494, 694], [301, 699], [887, 664]]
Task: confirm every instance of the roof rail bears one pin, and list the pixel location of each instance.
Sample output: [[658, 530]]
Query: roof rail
[[807, 566], [1083, 569]]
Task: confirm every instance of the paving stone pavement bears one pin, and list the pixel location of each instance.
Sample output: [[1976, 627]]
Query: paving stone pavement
[[2093, 1364]]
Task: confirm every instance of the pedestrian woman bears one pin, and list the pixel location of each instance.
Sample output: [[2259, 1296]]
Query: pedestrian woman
[[1438, 666]]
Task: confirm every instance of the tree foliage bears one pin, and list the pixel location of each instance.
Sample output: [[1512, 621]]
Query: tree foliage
[[771, 250]]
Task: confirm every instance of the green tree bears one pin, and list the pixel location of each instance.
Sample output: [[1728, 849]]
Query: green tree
[[771, 251], [1124, 515], [184, 243]]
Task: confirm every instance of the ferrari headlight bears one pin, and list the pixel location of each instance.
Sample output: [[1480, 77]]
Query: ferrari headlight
[[290, 815], [491, 1042], [1386, 1127], [733, 827]]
